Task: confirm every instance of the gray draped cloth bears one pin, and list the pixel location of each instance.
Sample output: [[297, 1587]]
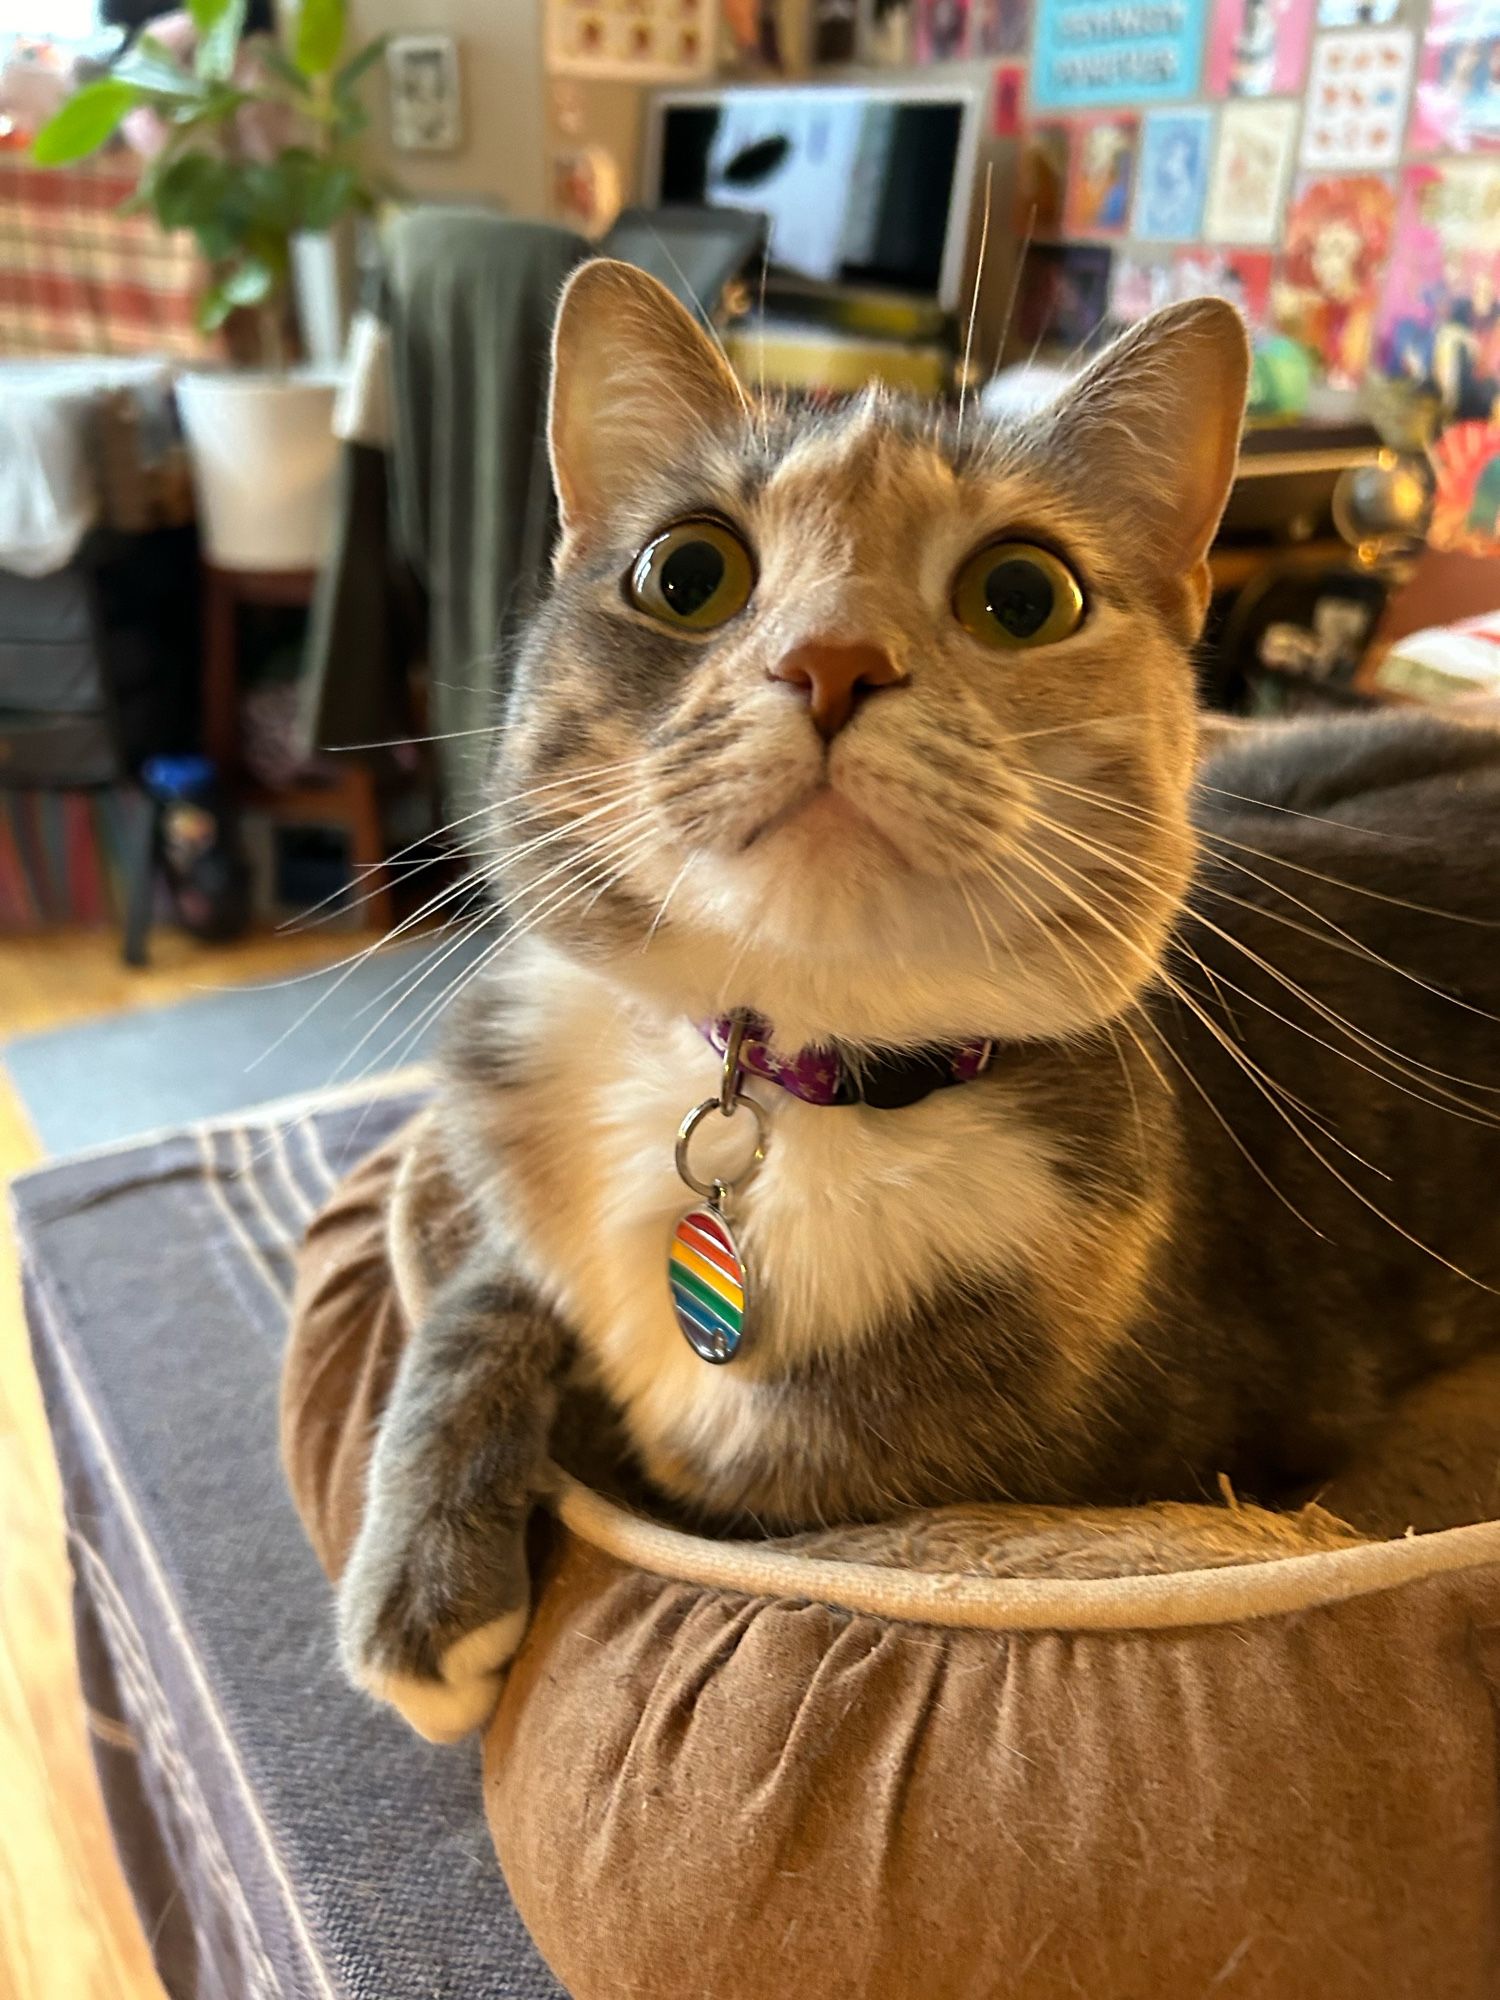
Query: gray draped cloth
[[443, 541]]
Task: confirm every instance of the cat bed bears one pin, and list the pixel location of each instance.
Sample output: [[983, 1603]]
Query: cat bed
[[1207, 1750]]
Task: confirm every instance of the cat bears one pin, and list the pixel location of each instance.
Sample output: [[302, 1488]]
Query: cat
[[876, 729]]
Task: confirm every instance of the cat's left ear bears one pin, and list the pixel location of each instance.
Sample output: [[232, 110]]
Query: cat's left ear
[[1153, 425], [634, 375]]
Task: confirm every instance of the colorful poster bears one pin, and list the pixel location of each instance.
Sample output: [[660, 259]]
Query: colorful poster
[[1258, 48], [1337, 240], [999, 27], [1172, 179], [1064, 295], [1103, 174], [1143, 282], [1457, 107], [1097, 52], [1439, 320], [1356, 99], [1250, 171], [942, 30]]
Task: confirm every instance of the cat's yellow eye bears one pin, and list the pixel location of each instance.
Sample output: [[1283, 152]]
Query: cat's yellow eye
[[694, 576], [1013, 595]]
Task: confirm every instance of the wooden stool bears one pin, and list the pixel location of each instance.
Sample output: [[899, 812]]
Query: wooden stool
[[350, 800]]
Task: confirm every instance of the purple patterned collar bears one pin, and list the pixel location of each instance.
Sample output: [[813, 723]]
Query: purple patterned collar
[[886, 1081]]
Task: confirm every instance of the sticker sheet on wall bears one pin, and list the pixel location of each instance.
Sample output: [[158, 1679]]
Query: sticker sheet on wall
[[1257, 48], [1439, 320], [1172, 181], [1096, 52], [1250, 172], [1457, 107], [642, 41], [1103, 174], [1337, 240], [1356, 99]]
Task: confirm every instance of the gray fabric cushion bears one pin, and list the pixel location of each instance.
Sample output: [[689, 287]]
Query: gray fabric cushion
[[282, 1837]]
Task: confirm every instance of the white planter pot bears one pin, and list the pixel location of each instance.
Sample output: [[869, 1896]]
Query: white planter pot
[[264, 457]]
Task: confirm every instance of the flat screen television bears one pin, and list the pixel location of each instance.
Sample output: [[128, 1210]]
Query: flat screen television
[[864, 185]]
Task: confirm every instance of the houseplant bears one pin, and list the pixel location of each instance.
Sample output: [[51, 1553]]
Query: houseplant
[[249, 143]]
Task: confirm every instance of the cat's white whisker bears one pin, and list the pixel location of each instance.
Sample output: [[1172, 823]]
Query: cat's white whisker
[[984, 244], [1395, 1057]]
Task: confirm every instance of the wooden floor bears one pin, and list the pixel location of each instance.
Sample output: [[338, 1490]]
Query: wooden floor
[[67, 1926]]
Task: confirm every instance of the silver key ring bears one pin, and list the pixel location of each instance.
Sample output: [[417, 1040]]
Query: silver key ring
[[717, 1189]]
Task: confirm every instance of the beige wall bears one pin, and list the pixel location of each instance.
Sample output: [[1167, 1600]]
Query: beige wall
[[503, 157]]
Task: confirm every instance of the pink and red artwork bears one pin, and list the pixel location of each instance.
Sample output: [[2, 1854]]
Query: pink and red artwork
[[1337, 241]]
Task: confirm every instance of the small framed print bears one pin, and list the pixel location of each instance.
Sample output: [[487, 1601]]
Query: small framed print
[[426, 113]]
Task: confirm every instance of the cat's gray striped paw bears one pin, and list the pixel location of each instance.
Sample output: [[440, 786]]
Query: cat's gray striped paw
[[462, 1697], [430, 1629]]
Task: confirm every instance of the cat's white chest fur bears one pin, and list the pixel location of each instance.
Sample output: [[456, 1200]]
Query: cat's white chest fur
[[852, 1215]]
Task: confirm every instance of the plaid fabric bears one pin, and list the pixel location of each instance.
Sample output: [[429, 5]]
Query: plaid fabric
[[76, 277]]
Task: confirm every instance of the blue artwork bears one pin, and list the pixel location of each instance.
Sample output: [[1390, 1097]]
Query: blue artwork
[[1126, 52], [1173, 175]]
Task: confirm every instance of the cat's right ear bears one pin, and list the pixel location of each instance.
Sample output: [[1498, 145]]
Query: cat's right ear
[[632, 371]]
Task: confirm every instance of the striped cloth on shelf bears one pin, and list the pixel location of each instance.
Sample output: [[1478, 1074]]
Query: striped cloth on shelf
[[77, 277]]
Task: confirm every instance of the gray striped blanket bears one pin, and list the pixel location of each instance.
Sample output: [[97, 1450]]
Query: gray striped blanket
[[280, 1836]]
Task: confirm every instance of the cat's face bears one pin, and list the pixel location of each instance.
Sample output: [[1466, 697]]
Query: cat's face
[[825, 695]]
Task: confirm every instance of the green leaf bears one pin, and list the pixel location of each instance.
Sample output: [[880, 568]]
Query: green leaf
[[89, 118], [188, 192], [354, 70], [249, 283], [220, 24], [330, 193], [350, 121], [281, 67], [320, 36]]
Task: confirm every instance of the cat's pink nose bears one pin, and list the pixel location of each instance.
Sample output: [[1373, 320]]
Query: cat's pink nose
[[835, 677]]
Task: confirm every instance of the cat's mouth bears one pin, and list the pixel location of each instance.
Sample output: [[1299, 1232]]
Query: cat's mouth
[[829, 826]]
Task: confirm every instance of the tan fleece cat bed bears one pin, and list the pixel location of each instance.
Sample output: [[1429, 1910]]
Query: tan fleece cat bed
[[882, 1766]]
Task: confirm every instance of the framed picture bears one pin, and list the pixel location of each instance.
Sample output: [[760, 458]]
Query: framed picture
[[425, 109]]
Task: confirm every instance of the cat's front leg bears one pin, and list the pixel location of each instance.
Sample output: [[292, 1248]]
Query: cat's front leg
[[435, 1596]]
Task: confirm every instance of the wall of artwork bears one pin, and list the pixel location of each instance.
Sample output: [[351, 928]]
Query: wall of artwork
[[1333, 166]]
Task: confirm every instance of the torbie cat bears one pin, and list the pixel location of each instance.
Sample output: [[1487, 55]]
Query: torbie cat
[[880, 725]]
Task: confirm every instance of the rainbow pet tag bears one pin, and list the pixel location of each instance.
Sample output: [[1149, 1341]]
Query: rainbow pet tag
[[707, 1276]]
